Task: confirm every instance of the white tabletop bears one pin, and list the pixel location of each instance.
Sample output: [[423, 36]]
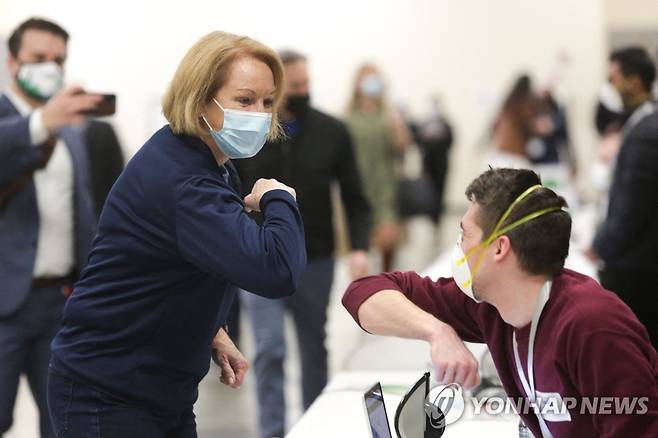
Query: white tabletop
[[339, 411]]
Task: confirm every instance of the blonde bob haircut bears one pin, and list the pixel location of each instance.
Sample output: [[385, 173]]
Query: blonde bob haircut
[[204, 70]]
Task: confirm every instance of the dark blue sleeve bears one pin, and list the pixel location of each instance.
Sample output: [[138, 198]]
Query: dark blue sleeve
[[633, 200], [214, 233], [17, 154]]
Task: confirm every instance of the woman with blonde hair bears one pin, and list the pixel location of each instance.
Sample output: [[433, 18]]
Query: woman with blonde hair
[[173, 243], [379, 134]]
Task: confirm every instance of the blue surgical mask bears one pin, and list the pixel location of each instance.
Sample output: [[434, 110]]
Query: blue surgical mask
[[371, 86], [244, 132]]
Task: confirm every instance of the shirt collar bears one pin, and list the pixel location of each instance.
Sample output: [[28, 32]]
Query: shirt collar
[[19, 102]]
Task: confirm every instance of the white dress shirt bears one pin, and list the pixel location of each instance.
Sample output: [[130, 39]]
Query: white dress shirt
[[54, 188]]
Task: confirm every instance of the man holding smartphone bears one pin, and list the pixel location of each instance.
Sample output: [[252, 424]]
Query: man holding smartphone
[[47, 216]]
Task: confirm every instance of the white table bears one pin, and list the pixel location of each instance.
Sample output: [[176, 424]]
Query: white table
[[339, 411]]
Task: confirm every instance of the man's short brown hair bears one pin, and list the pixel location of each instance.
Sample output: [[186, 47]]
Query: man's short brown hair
[[541, 244], [16, 38]]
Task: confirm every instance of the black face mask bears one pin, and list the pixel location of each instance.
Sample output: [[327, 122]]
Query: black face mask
[[298, 105]]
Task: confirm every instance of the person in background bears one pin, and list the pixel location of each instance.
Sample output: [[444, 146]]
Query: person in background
[[609, 115], [105, 160], [174, 243], [514, 125], [554, 334], [47, 216], [550, 143], [380, 135], [609, 120], [626, 241], [316, 152], [435, 136]]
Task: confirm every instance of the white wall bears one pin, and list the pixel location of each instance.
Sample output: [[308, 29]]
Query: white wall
[[638, 14], [466, 50]]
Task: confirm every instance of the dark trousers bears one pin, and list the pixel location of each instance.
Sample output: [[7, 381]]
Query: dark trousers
[[80, 411], [638, 290], [308, 306], [25, 338]]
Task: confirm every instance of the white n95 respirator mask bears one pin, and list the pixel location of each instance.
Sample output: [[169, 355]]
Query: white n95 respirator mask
[[461, 272]]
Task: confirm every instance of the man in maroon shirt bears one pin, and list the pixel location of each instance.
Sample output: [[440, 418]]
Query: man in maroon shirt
[[588, 353]]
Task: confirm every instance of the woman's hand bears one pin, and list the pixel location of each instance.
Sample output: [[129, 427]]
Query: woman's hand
[[262, 186], [229, 359], [359, 264], [387, 235]]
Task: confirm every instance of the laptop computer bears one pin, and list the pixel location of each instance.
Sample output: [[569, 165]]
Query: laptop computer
[[411, 417], [374, 403]]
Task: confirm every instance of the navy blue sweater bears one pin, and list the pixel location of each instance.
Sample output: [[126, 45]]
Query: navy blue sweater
[[173, 243]]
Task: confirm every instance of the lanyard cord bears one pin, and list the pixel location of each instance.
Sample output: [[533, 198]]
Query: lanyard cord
[[529, 383]]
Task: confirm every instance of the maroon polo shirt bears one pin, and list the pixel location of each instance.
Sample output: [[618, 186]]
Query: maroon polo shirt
[[590, 349]]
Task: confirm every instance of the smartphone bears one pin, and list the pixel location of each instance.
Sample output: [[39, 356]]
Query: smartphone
[[106, 107]]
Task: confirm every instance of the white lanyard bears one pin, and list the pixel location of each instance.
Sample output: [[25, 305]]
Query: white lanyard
[[529, 386]]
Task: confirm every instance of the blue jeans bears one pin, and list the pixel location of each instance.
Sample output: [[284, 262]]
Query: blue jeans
[[80, 411], [25, 338], [309, 310]]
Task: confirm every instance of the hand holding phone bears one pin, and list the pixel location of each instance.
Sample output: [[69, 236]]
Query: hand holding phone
[[106, 107], [68, 107]]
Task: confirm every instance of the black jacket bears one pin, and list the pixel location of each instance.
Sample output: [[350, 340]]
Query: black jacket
[[318, 154], [105, 160], [628, 239]]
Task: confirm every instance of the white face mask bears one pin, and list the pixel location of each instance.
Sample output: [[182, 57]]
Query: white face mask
[[40, 80], [243, 134], [371, 86], [461, 272]]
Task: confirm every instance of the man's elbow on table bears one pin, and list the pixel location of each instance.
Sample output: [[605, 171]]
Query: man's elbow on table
[[367, 301]]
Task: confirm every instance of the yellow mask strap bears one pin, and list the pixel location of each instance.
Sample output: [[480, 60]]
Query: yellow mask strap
[[505, 215], [522, 221]]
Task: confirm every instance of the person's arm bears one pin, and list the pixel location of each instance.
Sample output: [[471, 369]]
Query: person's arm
[[607, 364], [214, 233], [357, 208], [229, 359], [18, 155], [26, 143], [400, 134], [408, 306], [630, 214]]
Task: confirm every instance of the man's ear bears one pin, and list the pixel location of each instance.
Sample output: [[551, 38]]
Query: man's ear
[[636, 83], [502, 247], [12, 65]]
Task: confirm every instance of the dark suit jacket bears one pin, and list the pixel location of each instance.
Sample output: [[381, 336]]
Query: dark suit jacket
[[105, 160], [19, 219], [628, 239]]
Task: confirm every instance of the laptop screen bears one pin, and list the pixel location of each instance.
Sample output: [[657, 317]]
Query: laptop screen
[[374, 402]]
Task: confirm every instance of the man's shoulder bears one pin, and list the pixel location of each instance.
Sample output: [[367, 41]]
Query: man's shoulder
[[6, 106], [586, 307], [647, 128], [326, 120]]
